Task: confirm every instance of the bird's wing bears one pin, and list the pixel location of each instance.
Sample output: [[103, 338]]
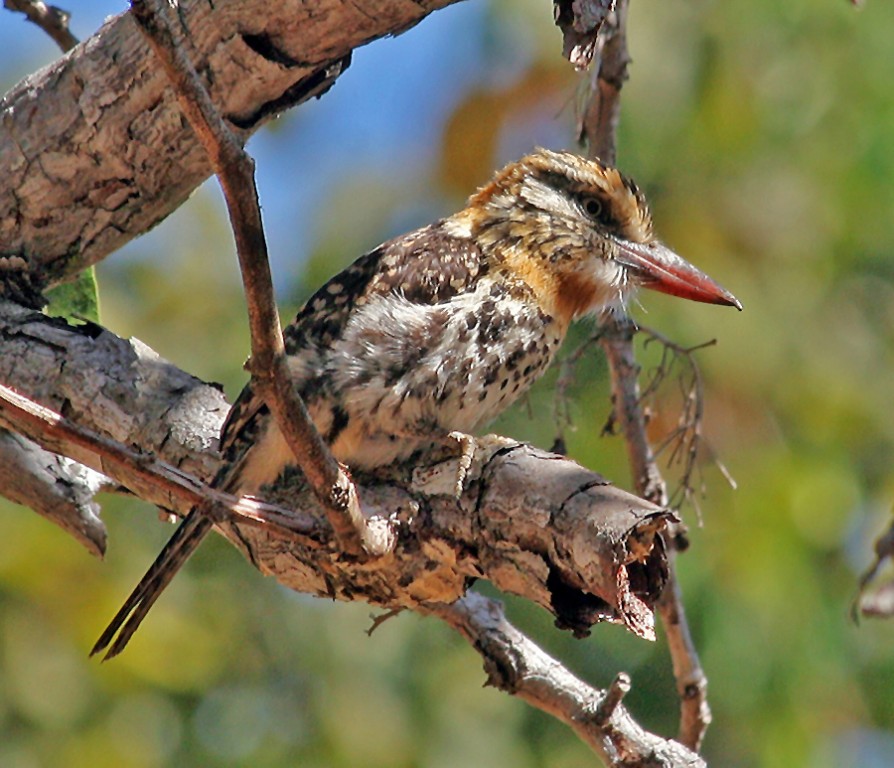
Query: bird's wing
[[428, 266]]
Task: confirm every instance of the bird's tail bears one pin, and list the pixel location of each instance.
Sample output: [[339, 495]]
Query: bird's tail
[[176, 552]]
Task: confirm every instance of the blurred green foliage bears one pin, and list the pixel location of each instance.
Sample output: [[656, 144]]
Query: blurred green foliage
[[77, 301], [764, 135]]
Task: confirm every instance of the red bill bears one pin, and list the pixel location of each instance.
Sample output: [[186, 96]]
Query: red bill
[[658, 268]]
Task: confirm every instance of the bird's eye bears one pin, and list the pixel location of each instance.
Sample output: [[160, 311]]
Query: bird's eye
[[593, 206]]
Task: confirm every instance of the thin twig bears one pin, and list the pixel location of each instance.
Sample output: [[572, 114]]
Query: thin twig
[[683, 443], [598, 130], [517, 666], [615, 694], [690, 677], [268, 364], [52, 20], [42, 424]]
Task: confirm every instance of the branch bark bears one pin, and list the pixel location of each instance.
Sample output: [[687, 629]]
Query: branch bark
[[93, 149]]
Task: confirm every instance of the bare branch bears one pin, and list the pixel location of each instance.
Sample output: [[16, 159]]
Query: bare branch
[[598, 130], [581, 548], [515, 665], [52, 20], [44, 426], [235, 171], [690, 677], [602, 110]]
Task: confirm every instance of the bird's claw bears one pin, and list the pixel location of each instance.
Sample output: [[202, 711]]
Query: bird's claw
[[467, 446]]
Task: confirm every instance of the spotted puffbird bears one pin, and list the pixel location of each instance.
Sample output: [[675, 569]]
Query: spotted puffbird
[[436, 332]]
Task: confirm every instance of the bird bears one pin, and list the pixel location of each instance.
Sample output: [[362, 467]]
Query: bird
[[434, 333]]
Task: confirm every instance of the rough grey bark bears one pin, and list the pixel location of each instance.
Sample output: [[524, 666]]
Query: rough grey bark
[[533, 523], [54, 486], [120, 388], [94, 150]]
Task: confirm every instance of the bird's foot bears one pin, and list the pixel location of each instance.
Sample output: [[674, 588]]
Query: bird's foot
[[448, 476], [467, 445], [451, 477]]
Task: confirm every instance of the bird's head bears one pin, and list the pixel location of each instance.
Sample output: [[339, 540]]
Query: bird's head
[[581, 234]]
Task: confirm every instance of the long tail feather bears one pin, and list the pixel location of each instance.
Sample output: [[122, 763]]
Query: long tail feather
[[170, 560]]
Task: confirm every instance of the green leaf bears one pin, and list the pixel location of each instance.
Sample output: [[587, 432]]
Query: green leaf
[[77, 300]]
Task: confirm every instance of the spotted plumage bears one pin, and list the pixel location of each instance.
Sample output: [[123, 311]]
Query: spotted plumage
[[438, 331]]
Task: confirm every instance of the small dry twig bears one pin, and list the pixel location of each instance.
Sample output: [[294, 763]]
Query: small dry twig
[[28, 418], [615, 694], [268, 364], [684, 442]]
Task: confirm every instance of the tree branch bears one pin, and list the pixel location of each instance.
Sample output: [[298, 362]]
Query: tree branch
[[93, 151], [598, 129], [131, 467], [506, 552], [52, 20], [269, 367], [515, 665], [532, 523]]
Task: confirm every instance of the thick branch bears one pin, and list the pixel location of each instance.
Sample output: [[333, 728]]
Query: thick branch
[[269, 367], [521, 549], [120, 388], [93, 150], [532, 523]]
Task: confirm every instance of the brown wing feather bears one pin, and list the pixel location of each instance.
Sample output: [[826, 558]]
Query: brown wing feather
[[427, 266]]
